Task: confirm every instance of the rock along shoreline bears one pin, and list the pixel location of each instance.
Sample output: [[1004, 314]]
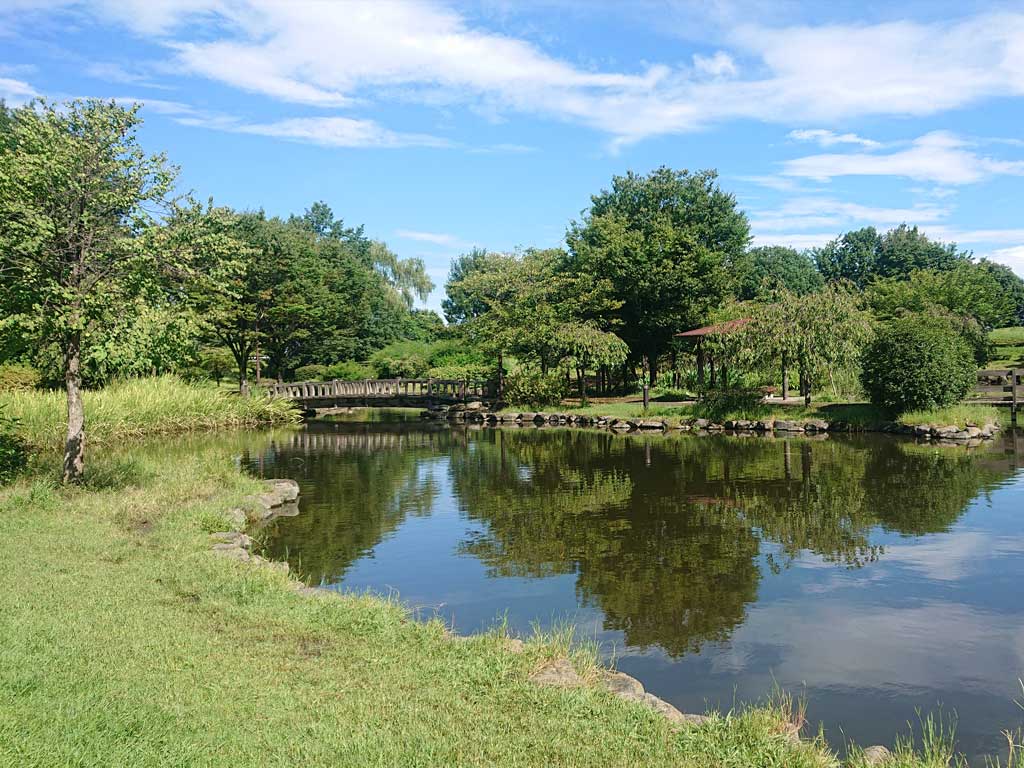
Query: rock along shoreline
[[477, 413]]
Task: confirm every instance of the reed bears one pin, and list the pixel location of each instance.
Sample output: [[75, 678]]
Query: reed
[[140, 407]]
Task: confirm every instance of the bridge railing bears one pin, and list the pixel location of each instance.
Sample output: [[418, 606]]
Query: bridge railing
[[368, 389], [1000, 386]]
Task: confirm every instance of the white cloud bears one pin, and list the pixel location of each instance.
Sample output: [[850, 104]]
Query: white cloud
[[339, 54], [939, 157], [337, 132], [800, 240], [1012, 257], [435, 238], [827, 138], [16, 92], [816, 212], [719, 65]]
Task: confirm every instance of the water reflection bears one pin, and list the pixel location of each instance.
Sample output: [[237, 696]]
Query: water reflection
[[881, 574]]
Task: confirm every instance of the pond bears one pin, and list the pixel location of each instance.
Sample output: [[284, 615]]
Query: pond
[[872, 575]]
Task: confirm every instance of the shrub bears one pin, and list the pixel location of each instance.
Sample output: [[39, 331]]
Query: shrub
[[18, 377], [721, 404], [467, 371], [348, 370], [13, 451], [535, 389], [918, 362], [310, 372], [402, 360]]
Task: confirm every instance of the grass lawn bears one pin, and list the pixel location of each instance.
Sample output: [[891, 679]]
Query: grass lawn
[[124, 641], [1007, 348]]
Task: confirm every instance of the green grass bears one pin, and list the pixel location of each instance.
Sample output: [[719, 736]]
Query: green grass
[[137, 407], [125, 641], [1013, 336], [1008, 348]]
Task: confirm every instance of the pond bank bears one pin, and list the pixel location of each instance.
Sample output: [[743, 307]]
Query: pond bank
[[968, 433], [210, 658]]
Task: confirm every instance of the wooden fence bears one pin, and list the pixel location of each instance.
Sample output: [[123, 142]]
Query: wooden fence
[[1001, 386]]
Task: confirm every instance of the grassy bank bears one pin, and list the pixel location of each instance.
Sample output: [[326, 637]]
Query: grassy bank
[[125, 641], [161, 405], [856, 414]]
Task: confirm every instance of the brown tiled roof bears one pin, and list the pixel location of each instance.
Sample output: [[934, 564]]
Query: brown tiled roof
[[729, 326]]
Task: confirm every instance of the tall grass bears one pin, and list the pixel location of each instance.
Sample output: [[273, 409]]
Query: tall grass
[[139, 407]]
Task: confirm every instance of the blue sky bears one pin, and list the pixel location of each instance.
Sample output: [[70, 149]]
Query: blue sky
[[440, 126]]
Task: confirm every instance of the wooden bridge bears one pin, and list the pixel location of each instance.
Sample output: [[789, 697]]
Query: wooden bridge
[[385, 393]]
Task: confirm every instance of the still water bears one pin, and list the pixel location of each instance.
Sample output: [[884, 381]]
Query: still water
[[873, 575]]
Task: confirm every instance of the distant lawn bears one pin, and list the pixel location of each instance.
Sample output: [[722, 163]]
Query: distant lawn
[[1008, 348]]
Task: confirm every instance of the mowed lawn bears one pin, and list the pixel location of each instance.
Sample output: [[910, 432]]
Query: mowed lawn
[[125, 642]]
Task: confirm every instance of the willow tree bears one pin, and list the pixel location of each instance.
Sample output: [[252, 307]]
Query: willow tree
[[77, 198], [586, 346], [818, 332]]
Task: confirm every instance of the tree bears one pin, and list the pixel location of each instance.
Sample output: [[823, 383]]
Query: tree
[[77, 196], [851, 257], [818, 332], [458, 305], [1012, 285], [664, 242], [904, 250], [587, 346], [776, 266], [968, 290]]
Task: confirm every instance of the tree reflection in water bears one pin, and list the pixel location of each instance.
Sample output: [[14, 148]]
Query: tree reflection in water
[[667, 535]]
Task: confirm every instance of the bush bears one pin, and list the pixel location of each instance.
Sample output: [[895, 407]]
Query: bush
[[402, 360], [348, 370], [18, 377], [918, 362], [532, 388], [721, 404], [310, 372], [13, 451], [468, 372]]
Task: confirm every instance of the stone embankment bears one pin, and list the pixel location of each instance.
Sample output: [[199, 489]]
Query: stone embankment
[[969, 434], [278, 499]]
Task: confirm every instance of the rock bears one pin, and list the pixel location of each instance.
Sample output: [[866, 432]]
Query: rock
[[527, 418], [766, 425], [514, 645], [944, 432], [622, 685], [620, 426], [475, 405], [877, 755], [700, 423], [232, 538], [237, 517], [651, 425], [672, 714], [507, 418], [283, 491], [715, 427], [816, 425], [923, 430], [230, 550], [788, 426], [558, 673]]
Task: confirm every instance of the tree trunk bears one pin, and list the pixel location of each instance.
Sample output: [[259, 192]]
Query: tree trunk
[[700, 364], [258, 367], [581, 374], [652, 367], [785, 376], [711, 366], [501, 376], [74, 448]]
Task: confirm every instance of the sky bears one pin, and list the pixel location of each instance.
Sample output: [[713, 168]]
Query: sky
[[443, 126]]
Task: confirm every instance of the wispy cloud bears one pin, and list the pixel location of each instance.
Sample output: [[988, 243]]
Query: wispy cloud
[[435, 238], [939, 157], [332, 55], [16, 92], [815, 212], [827, 138]]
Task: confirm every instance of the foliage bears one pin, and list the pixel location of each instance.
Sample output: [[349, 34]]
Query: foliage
[[311, 372], [13, 450], [533, 388], [585, 346], [819, 333], [968, 290], [722, 404], [664, 243], [216, 363], [348, 370], [462, 371], [139, 407], [862, 255], [18, 377], [402, 360], [917, 362], [764, 269], [460, 303]]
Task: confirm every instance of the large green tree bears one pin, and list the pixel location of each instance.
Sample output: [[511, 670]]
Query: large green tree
[[766, 268], [665, 242], [78, 197]]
